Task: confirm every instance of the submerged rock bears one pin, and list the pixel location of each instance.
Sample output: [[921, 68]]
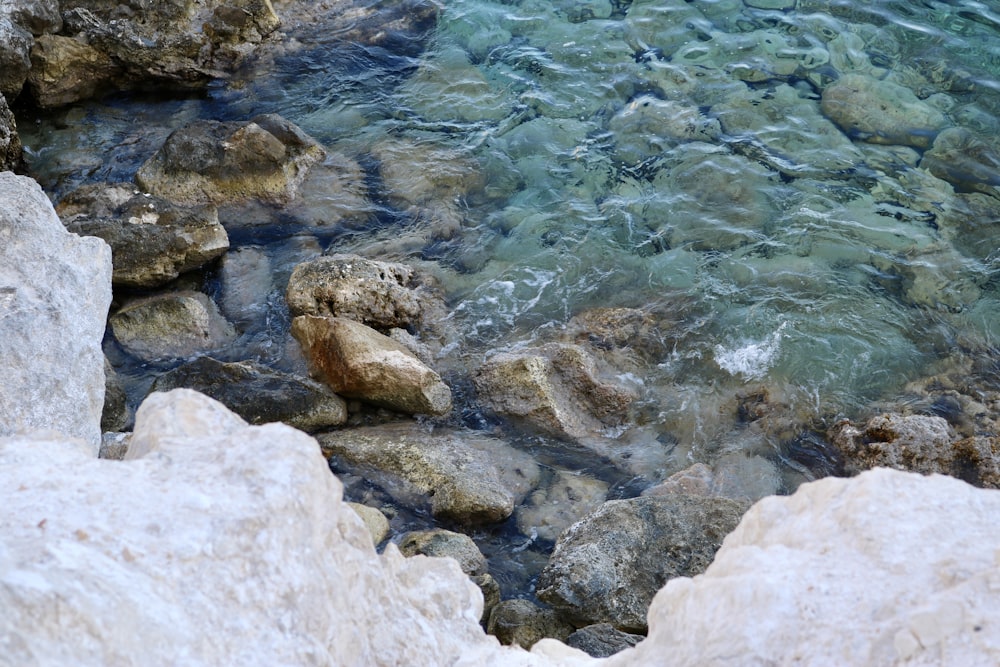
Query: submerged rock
[[55, 289], [265, 158], [468, 477], [358, 362], [964, 160], [736, 476], [607, 567], [259, 394], [881, 112], [175, 325], [558, 389], [152, 240], [566, 499]]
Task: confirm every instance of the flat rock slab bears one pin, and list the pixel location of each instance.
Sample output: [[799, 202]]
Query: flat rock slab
[[259, 394], [55, 289], [469, 478]]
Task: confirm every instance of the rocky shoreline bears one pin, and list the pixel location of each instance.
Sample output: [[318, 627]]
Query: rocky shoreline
[[221, 537]]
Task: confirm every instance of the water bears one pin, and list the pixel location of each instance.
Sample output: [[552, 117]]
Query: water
[[546, 158]]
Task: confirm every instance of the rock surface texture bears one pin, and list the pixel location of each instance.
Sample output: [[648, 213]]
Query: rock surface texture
[[55, 290]]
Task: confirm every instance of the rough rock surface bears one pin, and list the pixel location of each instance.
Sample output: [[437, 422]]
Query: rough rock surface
[[10, 143], [259, 394], [444, 544], [221, 544], [602, 640], [65, 70], [918, 443], [36, 16], [607, 567], [887, 568], [470, 478], [55, 290], [265, 158], [558, 388], [359, 362], [152, 240], [381, 295], [376, 522], [115, 415], [174, 325], [881, 112], [523, 623]]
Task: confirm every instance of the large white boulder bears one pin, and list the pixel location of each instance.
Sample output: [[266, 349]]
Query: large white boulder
[[55, 290]]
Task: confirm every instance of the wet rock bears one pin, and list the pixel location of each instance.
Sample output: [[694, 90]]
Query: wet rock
[[15, 61], [735, 476], [491, 594], [602, 640], [468, 477], [918, 443], [65, 70], [881, 112], [115, 416], [36, 16], [333, 194], [566, 499], [231, 510], [247, 281], [558, 389], [152, 240], [449, 87], [265, 158], [358, 362], [442, 543], [770, 4], [381, 295], [647, 126], [965, 161], [55, 289], [523, 623], [11, 156], [607, 567], [175, 325], [259, 394], [374, 520]]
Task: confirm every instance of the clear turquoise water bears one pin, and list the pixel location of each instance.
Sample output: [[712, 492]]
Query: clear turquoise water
[[774, 250]]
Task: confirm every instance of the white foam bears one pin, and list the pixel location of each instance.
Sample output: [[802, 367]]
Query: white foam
[[752, 360]]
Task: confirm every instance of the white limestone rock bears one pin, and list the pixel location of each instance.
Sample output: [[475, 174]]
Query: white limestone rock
[[215, 543], [888, 568], [55, 290]]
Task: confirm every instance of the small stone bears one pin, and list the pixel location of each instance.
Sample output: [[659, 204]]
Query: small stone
[[176, 325], [376, 522], [523, 623], [442, 543]]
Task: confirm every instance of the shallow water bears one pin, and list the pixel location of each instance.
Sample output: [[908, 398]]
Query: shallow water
[[774, 250]]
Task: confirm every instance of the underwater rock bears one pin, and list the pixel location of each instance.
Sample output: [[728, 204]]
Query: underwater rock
[[65, 70], [523, 623], [374, 520], [259, 394], [450, 88], [566, 499], [175, 325], [247, 279], [602, 640], [881, 112], [735, 476], [381, 295], [607, 567], [442, 543], [918, 443], [11, 156], [15, 61], [152, 240], [468, 477], [358, 362], [965, 161], [647, 126], [265, 159], [55, 289], [558, 389]]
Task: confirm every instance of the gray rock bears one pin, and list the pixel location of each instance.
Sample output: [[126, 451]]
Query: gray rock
[[607, 567], [247, 283], [65, 70], [468, 477], [36, 16], [881, 112], [558, 389], [381, 295], [55, 289], [602, 640], [964, 160], [568, 497], [152, 240], [359, 362], [442, 543], [376, 522], [648, 126], [259, 394], [15, 61], [176, 325], [115, 415], [265, 158], [491, 594], [10, 144], [523, 623]]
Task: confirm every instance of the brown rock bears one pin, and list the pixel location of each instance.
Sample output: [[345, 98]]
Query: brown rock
[[66, 70]]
